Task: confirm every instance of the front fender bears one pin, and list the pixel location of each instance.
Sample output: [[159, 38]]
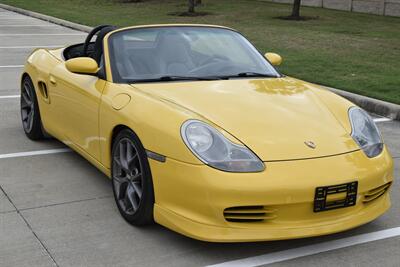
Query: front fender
[[156, 123]]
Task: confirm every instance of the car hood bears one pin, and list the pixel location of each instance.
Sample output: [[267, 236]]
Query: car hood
[[273, 117]]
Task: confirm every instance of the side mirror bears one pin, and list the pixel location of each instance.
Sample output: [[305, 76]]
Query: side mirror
[[275, 59], [82, 65]]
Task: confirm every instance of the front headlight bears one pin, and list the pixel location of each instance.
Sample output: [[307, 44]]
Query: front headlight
[[215, 150], [365, 132]]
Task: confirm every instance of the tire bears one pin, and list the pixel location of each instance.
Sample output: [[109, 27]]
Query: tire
[[131, 179], [30, 114]]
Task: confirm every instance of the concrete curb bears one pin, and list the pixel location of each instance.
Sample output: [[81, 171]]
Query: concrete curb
[[376, 106], [51, 19], [373, 105]]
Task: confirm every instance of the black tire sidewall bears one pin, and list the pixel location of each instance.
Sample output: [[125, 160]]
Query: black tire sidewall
[[36, 133], [144, 214]]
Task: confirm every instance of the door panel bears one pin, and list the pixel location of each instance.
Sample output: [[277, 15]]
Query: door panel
[[75, 101]]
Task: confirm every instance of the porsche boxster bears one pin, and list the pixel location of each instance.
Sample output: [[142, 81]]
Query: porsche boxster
[[200, 133]]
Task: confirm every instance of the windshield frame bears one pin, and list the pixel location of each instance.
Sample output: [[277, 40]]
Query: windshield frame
[[115, 77]]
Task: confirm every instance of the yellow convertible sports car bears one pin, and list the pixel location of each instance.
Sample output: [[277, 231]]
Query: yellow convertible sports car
[[200, 133]]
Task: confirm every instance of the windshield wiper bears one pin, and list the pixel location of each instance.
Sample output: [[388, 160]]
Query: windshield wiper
[[251, 74], [178, 78], [170, 78]]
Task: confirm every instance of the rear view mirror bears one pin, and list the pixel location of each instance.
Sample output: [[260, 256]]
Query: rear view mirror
[[275, 59], [82, 65]]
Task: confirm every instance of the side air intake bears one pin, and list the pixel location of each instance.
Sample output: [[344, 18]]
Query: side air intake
[[376, 192], [249, 214]]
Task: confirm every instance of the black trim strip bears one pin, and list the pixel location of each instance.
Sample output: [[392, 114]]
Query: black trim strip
[[156, 156]]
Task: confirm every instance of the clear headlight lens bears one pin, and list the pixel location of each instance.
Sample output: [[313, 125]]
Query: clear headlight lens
[[365, 132], [215, 150]]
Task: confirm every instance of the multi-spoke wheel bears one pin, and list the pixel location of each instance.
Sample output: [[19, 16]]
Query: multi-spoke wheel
[[131, 179], [30, 115]]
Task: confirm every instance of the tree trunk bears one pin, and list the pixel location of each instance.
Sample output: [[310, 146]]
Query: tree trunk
[[191, 5], [296, 9]]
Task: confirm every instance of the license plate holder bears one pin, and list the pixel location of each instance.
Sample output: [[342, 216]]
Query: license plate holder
[[322, 193]]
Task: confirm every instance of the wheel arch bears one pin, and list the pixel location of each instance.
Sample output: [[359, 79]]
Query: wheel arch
[[114, 133], [24, 75]]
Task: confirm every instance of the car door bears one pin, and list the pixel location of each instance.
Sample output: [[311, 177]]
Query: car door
[[75, 101]]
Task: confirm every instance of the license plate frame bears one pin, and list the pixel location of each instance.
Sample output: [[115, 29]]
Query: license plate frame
[[322, 193]]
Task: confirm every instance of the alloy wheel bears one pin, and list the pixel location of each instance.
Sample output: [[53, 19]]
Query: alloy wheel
[[27, 106], [127, 176]]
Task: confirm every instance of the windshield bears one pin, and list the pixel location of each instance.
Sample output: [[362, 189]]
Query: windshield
[[173, 53]]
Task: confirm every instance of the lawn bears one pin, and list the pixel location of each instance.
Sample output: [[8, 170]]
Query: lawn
[[355, 52]]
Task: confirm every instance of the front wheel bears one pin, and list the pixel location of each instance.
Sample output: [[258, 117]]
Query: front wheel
[[131, 179], [30, 115]]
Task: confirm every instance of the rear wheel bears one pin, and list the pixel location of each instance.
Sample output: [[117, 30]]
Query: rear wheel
[[131, 179], [30, 114]]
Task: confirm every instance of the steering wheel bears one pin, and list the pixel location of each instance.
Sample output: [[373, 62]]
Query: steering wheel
[[89, 38]]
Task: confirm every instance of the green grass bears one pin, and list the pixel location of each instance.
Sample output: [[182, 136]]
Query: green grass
[[356, 52]]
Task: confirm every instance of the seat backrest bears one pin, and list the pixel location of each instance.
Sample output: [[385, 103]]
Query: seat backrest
[[174, 52]]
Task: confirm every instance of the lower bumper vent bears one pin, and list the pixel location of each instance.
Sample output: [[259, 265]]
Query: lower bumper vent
[[249, 214], [376, 192]]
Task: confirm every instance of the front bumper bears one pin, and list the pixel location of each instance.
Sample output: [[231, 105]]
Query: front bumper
[[191, 199]]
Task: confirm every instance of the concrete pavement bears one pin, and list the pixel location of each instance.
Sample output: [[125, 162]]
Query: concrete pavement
[[58, 210]]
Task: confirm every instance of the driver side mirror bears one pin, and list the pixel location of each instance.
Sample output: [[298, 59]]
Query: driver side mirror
[[275, 59], [82, 65]]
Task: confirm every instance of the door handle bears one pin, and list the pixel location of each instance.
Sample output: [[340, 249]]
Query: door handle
[[53, 80]]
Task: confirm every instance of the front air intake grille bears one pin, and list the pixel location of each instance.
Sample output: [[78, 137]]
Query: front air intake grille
[[376, 192], [249, 214]]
